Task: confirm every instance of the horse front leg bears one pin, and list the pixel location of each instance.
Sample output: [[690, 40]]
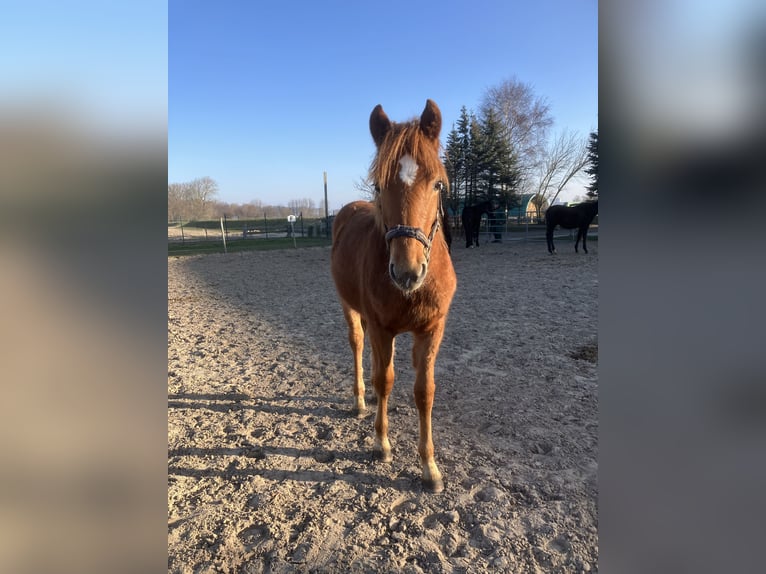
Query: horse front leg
[[584, 236], [356, 341], [424, 351], [382, 344], [549, 240]]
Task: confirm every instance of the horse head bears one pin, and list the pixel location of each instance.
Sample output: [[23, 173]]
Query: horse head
[[409, 178]]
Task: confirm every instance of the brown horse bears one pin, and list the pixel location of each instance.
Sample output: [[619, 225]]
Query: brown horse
[[393, 272]]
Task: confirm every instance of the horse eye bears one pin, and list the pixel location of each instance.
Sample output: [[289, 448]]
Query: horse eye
[[377, 189], [439, 186]]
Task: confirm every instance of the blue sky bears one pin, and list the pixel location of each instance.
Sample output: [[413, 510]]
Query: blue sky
[[99, 64], [265, 96]]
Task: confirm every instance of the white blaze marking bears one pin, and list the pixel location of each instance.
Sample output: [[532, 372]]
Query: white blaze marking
[[409, 169]]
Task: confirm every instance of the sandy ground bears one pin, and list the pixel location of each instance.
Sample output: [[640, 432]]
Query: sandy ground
[[268, 470]]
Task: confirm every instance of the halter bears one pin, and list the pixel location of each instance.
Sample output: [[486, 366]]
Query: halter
[[416, 232]]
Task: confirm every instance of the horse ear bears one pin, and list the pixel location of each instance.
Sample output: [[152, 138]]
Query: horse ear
[[379, 125], [431, 120]]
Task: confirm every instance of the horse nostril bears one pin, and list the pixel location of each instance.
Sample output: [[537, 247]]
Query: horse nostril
[[407, 279]]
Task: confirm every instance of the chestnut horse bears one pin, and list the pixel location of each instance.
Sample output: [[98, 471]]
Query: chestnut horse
[[393, 272]]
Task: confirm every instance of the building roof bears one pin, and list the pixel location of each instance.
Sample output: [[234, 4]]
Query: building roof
[[523, 206]]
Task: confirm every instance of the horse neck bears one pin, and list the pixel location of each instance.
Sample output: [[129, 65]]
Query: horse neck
[[439, 248]]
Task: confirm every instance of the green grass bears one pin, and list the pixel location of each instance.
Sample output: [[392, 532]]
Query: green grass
[[236, 225], [216, 246]]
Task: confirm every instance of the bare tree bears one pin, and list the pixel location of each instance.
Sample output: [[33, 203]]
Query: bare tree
[[193, 200], [202, 192], [365, 188], [176, 203], [306, 206], [253, 209], [564, 158], [526, 120]]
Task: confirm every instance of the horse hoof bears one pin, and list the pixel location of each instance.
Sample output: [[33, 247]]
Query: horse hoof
[[383, 455], [433, 486], [359, 408]]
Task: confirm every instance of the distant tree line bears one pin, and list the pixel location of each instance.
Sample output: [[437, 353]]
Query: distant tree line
[[191, 200], [196, 201]]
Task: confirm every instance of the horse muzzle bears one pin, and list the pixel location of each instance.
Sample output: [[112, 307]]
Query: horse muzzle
[[408, 279], [407, 266]]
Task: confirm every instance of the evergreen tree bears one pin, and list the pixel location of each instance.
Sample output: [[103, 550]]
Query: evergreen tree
[[592, 169], [459, 160], [498, 171], [479, 161], [475, 146], [464, 141], [453, 162]]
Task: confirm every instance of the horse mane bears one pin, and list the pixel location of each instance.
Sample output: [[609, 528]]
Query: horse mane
[[404, 138]]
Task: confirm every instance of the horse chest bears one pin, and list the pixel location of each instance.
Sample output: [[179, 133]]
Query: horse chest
[[416, 312]]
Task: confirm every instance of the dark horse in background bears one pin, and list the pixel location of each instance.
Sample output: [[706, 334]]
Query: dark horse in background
[[471, 217], [577, 217], [446, 224]]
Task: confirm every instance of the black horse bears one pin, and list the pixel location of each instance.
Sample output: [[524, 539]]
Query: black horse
[[471, 217], [577, 217], [447, 232]]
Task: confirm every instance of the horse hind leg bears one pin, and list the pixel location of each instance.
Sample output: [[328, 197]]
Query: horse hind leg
[[581, 235], [356, 341], [549, 240]]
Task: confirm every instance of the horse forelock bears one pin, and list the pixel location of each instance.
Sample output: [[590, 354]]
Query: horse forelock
[[402, 140]]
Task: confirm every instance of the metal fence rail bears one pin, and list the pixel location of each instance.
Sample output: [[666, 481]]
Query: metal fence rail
[[490, 229], [234, 229], [514, 229]]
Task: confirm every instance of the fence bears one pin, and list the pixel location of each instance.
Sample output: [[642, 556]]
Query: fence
[[240, 229], [491, 229], [495, 229]]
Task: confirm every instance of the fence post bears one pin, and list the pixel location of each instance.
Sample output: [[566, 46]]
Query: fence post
[[326, 209], [223, 235]]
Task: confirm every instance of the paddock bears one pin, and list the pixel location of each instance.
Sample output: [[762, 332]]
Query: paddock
[[270, 471]]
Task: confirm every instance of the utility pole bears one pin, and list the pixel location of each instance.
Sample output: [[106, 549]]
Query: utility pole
[[326, 211]]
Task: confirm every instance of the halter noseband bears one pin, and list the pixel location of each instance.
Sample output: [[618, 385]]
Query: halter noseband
[[416, 232]]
